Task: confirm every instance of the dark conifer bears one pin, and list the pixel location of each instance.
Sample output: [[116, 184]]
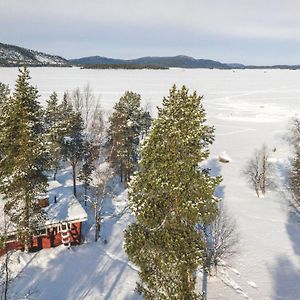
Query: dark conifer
[[169, 196], [127, 123], [72, 142], [53, 123], [22, 169]]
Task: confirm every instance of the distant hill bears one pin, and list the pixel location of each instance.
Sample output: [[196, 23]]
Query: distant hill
[[11, 55], [180, 61], [122, 66], [14, 56], [281, 67], [236, 66]]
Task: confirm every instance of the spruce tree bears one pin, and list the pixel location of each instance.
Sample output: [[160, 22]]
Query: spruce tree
[[169, 196], [22, 169], [127, 123]]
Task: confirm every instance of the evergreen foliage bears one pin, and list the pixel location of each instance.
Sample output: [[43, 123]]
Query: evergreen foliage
[[53, 123], [4, 101], [169, 196], [21, 169], [85, 174], [2, 241], [127, 124], [4, 94], [72, 142], [294, 178], [294, 174]]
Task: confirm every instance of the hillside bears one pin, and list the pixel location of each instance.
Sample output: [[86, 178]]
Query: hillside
[[180, 61], [11, 56]]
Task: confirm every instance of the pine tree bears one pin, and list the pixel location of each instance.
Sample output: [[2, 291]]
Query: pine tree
[[169, 196], [4, 101], [146, 122], [54, 132], [294, 178], [85, 174], [294, 173], [21, 170], [72, 142], [127, 123], [4, 94]]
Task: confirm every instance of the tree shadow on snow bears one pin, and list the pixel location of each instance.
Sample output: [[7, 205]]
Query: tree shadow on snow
[[286, 275], [286, 280], [83, 272], [214, 168], [293, 229], [283, 169]]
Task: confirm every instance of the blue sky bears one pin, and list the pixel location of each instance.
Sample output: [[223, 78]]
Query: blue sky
[[250, 32]]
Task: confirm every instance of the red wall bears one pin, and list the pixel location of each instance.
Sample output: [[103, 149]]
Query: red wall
[[52, 239]]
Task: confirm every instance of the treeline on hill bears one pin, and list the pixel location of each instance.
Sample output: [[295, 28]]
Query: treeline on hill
[[123, 66], [12, 56], [5, 63]]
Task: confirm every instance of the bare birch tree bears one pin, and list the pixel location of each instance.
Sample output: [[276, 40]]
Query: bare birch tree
[[220, 239], [5, 276], [258, 171], [84, 102], [103, 174]]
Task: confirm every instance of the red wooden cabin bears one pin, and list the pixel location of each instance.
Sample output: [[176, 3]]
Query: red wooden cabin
[[62, 225]]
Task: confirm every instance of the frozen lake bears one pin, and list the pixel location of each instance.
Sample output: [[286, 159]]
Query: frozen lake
[[280, 87], [248, 108]]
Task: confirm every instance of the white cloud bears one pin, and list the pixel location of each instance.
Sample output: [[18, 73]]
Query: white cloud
[[253, 31], [244, 18]]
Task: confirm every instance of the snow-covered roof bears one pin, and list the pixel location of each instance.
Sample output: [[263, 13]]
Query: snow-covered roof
[[66, 208]]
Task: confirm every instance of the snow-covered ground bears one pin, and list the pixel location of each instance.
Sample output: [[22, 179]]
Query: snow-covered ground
[[248, 108]]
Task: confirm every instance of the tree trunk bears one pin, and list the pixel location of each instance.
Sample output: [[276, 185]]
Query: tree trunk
[[27, 236], [97, 230], [54, 174], [74, 179], [121, 172], [204, 284], [96, 216], [208, 260], [85, 195], [125, 180], [26, 246], [6, 282], [257, 192]]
